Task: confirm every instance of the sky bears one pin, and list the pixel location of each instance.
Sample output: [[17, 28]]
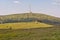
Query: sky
[[49, 7]]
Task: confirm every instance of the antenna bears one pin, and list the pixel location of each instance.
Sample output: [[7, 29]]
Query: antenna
[[30, 8], [30, 11]]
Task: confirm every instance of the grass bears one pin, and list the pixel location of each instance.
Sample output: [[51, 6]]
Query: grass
[[52, 33], [24, 25]]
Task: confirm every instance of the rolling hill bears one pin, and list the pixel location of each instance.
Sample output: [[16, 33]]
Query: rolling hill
[[29, 17]]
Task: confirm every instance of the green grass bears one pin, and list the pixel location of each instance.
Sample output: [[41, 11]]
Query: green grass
[[52, 33]]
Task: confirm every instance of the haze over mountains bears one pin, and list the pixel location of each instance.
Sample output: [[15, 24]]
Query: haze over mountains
[[29, 17]]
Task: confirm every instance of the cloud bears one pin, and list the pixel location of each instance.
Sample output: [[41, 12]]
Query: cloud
[[56, 2], [17, 2]]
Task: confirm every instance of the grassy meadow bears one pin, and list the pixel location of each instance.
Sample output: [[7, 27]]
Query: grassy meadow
[[52, 33], [24, 25]]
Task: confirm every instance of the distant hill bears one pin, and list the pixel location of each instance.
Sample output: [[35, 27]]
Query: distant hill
[[29, 17]]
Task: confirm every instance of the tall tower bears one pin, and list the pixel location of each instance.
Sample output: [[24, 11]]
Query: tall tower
[[29, 15], [30, 11]]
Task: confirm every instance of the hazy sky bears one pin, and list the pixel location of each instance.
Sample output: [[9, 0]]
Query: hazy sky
[[50, 7]]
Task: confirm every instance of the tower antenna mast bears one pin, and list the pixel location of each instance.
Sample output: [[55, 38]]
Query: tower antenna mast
[[30, 8]]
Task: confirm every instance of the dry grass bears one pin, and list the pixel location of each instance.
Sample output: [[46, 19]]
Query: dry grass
[[24, 25]]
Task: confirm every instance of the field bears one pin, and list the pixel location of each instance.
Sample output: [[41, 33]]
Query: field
[[29, 31], [52, 33], [24, 25]]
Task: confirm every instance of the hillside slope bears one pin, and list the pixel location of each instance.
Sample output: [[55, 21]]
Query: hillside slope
[[24, 17]]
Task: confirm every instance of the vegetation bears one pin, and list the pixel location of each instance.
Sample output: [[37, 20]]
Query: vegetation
[[29, 26], [24, 25], [52, 33], [29, 17]]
